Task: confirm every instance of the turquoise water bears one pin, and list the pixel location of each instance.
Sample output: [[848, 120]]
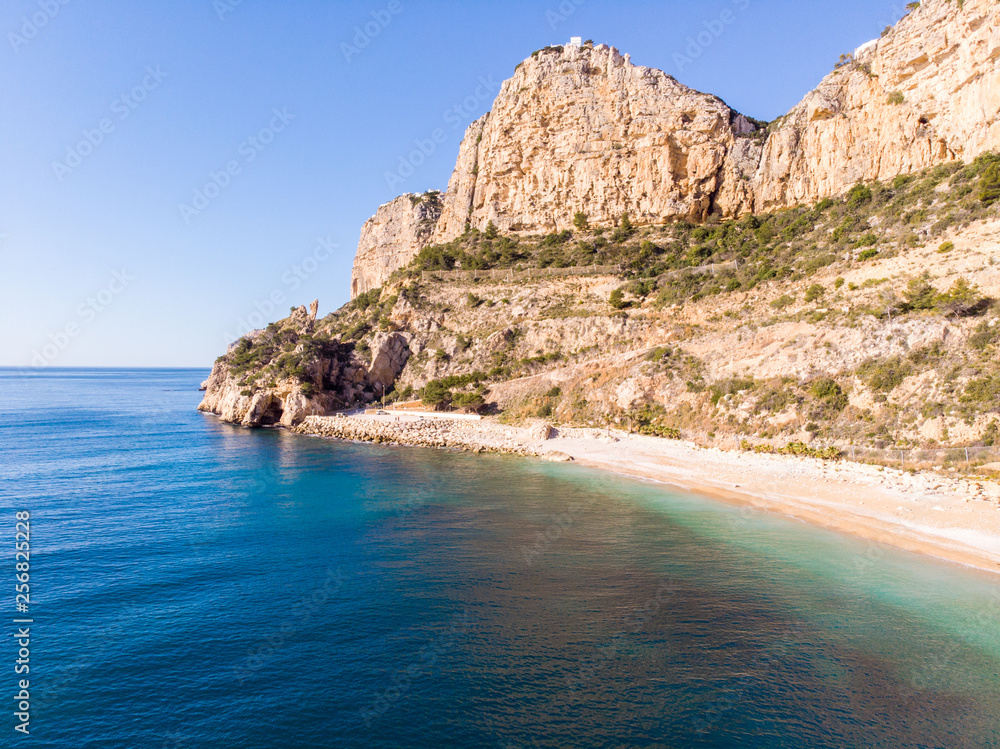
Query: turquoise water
[[195, 584]]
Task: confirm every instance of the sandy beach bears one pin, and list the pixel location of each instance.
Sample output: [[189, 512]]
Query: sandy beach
[[928, 512]]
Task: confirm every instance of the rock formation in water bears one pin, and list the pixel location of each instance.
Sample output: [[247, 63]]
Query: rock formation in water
[[582, 129], [294, 368]]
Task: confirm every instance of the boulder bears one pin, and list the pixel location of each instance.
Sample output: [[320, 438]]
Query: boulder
[[390, 352]]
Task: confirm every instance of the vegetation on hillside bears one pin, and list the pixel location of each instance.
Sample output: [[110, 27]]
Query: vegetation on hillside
[[876, 220]]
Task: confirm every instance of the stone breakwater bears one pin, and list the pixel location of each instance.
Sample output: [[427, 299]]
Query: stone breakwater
[[477, 437]]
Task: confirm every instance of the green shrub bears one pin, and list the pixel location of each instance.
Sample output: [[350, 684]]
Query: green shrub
[[799, 449], [989, 184], [962, 299], [983, 335], [992, 434], [830, 393], [896, 97], [783, 301], [366, 299], [471, 401], [617, 299], [920, 294], [857, 196], [436, 394], [732, 386], [946, 247], [625, 229], [984, 391], [884, 375], [814, 292], [868, 254], [580, 221]]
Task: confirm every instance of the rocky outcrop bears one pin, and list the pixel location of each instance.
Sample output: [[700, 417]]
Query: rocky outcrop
[[285, 403], [583, 129], [295, 368], [392, 237], [927, 92], [389, 354], [458, 198]]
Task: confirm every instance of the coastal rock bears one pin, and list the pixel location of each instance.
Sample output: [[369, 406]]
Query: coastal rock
[[558, 457], [927, 92], [393, 237], [458, 198], [543, 432], [583, 129], [389, 355]]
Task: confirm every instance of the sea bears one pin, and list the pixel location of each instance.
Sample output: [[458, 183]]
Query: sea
[[196, 584]]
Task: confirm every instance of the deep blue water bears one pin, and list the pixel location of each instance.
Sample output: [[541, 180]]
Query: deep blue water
[[195, 584]]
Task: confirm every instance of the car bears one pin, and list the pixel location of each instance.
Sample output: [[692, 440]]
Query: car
[[380, 412]]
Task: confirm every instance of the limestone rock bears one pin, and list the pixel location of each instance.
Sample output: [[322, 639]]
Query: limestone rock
[[925, 93], [543, 432], [583, 129], [392, 237], [558, 457], [389, 354], [458, 199]]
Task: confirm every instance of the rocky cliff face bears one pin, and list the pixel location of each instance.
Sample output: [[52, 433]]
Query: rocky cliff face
[[927, 92], [392, 237], [297, 368], [582, 129]]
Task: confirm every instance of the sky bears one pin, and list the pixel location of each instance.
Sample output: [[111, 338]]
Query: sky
[[176, 172]]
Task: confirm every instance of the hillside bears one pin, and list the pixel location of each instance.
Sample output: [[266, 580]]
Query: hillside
[[863, 314], [581, 128], [866, 320]]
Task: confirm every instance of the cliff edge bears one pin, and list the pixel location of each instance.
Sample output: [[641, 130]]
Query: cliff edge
[[582, 129]]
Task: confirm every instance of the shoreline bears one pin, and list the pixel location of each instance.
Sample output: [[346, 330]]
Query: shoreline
[[950, 518]]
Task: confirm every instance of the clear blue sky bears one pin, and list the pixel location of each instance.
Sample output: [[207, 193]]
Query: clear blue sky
[[171, 92]]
